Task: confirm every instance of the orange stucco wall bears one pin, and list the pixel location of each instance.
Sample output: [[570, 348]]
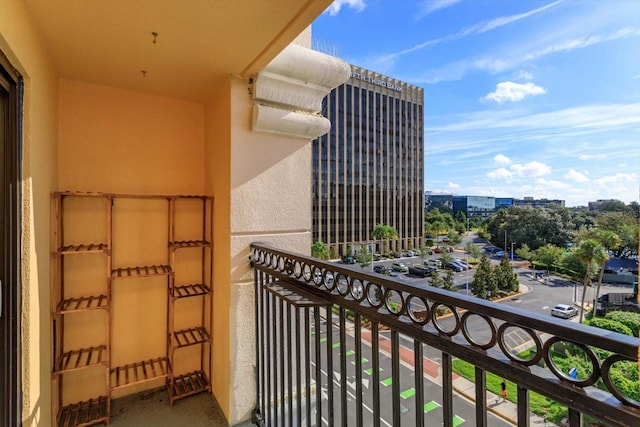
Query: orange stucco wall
[[121, 141], [114, 140], [218, 182]]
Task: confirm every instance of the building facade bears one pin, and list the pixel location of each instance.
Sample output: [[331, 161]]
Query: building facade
[[443, 202], [369, 168], [474, 206], [538, 203]]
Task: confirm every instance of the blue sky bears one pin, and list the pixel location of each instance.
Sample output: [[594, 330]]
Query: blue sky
[[522, 97]]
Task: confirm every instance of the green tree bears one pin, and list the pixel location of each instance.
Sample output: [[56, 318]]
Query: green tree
[[525, 252], [384, 232], [364, 257], [507, 280], [424, 251], [625, 225], [548, 255], [319, 250], [484, 280], [609, 240], [445, 257], [436, 281], [589, 252], [447, 283], [473, 250]]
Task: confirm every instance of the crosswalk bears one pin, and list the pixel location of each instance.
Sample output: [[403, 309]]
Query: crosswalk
[[388, 381]]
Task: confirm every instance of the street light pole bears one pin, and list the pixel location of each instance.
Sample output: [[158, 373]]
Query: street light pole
[[512, 250]]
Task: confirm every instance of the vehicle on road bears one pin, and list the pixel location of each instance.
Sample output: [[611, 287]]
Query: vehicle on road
[[407, 254], [462, 265], [433, 263], [349, 260], [398, 266], [462, 262], [453, 266], [421, 271], [564, 311], [380, 269], [396, 254]]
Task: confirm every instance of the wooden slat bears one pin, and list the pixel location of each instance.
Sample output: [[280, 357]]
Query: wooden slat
[[194, 290], [192, 336], [140, 372], [79, 359], [86, 413], [70, 305], [188, 385], [82, 248], [140, 271]]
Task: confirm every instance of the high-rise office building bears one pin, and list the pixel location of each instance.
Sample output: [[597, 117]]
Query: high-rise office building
[[369, 169]]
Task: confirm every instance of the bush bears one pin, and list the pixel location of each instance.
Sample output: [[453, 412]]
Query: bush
[[611, 325], [630, 320]]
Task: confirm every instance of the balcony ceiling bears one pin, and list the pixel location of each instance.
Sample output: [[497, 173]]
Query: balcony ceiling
[[199, 42]]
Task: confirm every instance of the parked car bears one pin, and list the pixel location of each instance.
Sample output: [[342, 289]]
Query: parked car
[[565, 311], [408, 254], [420, 271], [463, 266], [433, 263], [398, 266], [377, 257], [396, 254], [446, 239], [436, 250], [349, 260], [452, 266], [461, 261], [380, 269]]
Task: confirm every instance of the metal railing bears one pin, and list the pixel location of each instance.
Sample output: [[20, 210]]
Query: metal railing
[[334, 345]]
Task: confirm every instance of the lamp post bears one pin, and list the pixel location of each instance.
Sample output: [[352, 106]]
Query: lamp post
[[512, 250]]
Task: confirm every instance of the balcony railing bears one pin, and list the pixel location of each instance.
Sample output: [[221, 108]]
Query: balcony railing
[[334, 345]]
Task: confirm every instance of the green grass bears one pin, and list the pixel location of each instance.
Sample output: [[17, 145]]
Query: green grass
[[538, 404]]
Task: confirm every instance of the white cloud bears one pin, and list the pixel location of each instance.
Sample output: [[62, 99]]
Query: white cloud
[[335, 7], [524, 75], [552, 184], [531, 170], [619, 178], [576, 176], [592, 156], [500, 173], [510, 91], [453, 185], [501, 159], [476, 29], [429, 6]]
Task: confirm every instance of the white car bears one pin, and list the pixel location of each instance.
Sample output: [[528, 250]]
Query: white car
[[433, 263], [565, 311]]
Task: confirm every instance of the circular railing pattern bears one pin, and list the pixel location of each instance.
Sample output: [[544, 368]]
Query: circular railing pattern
[[420, 311]]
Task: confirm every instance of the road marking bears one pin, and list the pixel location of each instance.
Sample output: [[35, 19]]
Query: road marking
[[323, 339], [363, 360], [336, 345], [430, 406], [350, 353], [408, 393], [457, 420], [387, 382], [369, 371]]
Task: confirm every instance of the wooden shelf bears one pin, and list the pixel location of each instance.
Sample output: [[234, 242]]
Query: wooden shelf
[[86, 413], [192, 336], [143, 271], [81, 359], [188, 384], [83, 248], [186, 291], [140, 372], [72, 305], [181, 244]]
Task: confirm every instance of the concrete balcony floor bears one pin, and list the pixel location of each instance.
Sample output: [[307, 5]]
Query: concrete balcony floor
[[151, 408]]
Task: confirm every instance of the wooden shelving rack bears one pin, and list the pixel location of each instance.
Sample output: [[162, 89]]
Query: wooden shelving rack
[[97, 409]]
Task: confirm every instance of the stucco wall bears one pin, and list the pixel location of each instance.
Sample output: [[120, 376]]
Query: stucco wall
[[21, 43], [114, 140]]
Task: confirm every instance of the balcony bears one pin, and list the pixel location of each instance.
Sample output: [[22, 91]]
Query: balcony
[[339, 346]]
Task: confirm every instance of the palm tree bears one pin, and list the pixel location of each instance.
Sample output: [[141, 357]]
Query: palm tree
[[588, 252], [386, 232], [319, 250], [609, 240]]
